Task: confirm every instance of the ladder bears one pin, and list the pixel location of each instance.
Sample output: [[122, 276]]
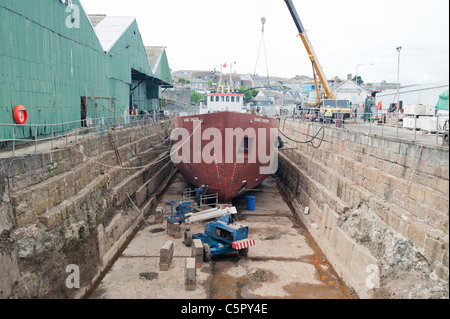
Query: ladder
[[113, 146]]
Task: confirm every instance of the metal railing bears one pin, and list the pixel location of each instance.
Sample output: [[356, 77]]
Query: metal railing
[[70, 130], [205, 200], [431, 129]]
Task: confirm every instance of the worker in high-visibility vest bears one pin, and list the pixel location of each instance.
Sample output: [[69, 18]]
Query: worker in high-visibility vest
[[328, 115]]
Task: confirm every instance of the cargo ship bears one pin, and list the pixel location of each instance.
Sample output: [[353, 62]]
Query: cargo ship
[[231, 152]]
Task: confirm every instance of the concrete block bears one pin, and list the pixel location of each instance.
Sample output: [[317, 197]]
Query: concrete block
[[174, 230], [197, 252], [141, 196], [51, 218], [159, 215], [166, 256], [191, 275]]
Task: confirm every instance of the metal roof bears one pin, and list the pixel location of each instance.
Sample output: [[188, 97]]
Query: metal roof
[[154, 55], [110, 29], [96, 18], [160, 66]]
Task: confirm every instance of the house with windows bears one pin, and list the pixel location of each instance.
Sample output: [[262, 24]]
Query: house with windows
[[350, 91]]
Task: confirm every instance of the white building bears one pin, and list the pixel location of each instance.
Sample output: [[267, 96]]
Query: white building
[[220, 102], [350, 91], [426, 94]]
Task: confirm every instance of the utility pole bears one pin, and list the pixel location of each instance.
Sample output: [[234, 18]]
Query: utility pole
[[399, 49]]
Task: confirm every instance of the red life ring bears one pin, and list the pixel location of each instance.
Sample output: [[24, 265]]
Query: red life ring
[[20, 114], [135, 111], [380, 104]]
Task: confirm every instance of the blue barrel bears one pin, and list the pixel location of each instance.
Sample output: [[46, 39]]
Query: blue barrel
[[251, 203]]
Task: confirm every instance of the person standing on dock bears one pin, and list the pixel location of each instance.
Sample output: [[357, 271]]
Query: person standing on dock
[[328, 114], [201, 191]]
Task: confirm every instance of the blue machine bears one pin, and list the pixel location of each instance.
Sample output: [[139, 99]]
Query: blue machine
[[176, 210], [224, 235]]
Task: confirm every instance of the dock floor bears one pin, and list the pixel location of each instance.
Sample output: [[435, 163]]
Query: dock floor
[[284, 263]]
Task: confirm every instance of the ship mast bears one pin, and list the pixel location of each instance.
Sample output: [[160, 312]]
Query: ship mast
[[231, 87], [220, 86]]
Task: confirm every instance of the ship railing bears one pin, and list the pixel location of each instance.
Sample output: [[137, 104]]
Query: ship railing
[[59, 134], [429, 129]]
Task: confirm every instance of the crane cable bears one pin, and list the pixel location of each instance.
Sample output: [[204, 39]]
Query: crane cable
[[262, 42], [137, 167]]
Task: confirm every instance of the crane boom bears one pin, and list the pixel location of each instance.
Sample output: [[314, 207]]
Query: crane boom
[[310, 50]]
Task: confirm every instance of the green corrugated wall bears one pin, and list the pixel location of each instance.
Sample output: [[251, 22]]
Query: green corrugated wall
[[48, 67], [162, 71]]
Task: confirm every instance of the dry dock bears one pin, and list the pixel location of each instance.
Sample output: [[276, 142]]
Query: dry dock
[[377, 221], [284, 263]]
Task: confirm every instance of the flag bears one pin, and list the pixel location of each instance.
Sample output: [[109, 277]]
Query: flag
[[225, 65], [213, 72]]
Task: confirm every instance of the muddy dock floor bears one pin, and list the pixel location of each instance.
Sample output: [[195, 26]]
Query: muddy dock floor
[[285, 262]]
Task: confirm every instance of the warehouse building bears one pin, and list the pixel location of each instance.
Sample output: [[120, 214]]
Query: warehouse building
[[64, 66]]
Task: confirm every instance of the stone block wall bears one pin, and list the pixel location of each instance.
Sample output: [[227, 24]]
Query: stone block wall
[[71, 206], [373, 201]]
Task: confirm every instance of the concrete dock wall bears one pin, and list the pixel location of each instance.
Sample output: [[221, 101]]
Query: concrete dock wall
[[378, 208], [66, 213]]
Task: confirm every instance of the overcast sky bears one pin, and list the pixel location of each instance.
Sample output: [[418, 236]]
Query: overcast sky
[[202, 34]]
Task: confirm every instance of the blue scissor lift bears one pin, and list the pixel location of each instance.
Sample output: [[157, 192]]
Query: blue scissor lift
[[222, 235]]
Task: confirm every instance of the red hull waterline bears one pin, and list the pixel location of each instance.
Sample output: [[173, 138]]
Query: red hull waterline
[[225, 175]]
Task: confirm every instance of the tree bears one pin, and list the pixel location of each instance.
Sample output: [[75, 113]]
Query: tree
[[197, 97], [360, 81], [249, 94]]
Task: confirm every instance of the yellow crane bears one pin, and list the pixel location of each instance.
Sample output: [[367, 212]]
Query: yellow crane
[[325, 100]]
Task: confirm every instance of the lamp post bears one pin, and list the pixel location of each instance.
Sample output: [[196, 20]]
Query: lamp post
[[357, 66], [399, 49]]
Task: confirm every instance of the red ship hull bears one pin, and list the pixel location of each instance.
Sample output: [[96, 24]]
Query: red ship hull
[[229, 175]]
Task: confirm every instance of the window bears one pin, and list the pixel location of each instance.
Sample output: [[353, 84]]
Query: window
[[217, 99], [238, 99], [212, 99], [232, 99], [228, 99], [222, 98], [343, 103]]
